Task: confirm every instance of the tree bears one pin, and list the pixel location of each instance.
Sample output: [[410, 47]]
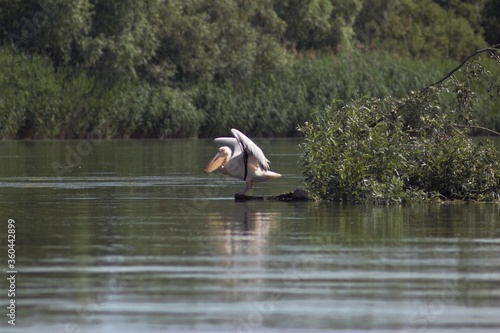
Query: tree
[[371, 22], [491, 21], [420, 28], [343, 17], [318, 24], [122, 37], [104, 36], [51, 27], [308, 22], [471, 10], [218, 40]]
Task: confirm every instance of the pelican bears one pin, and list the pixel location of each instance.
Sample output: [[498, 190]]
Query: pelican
[[247, 163]]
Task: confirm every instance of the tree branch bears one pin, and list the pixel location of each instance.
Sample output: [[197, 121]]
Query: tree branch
[[484, 129], [491, 49]]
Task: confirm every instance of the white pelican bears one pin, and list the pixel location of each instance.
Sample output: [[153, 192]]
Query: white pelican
[[247, 163]]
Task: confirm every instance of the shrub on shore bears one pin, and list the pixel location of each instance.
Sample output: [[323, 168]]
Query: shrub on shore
[[397, 150]]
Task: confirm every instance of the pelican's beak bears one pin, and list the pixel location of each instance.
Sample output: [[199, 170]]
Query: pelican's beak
[[215, 163]]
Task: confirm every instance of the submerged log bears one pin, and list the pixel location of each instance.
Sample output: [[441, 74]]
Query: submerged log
[[297, 195]]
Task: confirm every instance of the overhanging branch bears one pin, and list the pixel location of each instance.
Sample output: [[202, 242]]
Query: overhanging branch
[[492, 49]]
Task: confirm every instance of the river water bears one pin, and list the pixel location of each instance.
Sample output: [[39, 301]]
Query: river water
[[132, 236]]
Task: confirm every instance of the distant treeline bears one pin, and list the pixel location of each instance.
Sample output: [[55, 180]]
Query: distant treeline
[[174, 68]]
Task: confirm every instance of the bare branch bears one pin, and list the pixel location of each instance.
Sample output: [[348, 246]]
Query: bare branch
[[485, 129], [492, 49]]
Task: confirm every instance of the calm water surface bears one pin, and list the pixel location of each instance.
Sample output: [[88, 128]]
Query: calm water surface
[[132, 236]]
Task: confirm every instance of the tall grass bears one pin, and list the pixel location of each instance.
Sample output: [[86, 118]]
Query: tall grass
[[273, 105], [36, 101]]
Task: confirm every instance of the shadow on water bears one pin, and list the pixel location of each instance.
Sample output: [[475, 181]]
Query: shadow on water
[[134, 238]]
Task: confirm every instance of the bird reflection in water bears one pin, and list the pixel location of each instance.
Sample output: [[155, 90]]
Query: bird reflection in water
[[241, 239]]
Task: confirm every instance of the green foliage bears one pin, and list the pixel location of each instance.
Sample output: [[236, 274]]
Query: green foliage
[[396, 150], [190, 40], [38, 102], [29, 88], [308, 22], [109, 37], [217, 41], [54, 27], [140, 111], [490, 21], [319, 24], [72, 104], [122, 37], [471, 10], [422, 28], [272, 105], [268, 106], [455, 167], [343, 19], [186, 68]]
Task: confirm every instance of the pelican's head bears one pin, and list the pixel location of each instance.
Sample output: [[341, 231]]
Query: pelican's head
[[219, 160]]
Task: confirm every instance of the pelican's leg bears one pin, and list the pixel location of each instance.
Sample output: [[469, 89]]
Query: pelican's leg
[[248, 187]]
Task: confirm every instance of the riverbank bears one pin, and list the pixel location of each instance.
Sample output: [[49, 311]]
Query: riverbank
[[42, 102]]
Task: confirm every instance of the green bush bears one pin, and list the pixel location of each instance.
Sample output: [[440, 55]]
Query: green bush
[[39, 102], [142, 111], [396, 150], [29, 106]]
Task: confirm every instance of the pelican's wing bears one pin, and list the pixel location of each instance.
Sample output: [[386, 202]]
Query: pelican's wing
[[230, 141], [251, 148]]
